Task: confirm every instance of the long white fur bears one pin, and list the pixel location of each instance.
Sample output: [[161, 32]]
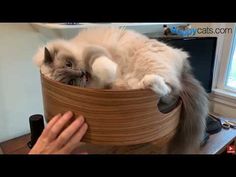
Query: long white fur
[[105, 69]]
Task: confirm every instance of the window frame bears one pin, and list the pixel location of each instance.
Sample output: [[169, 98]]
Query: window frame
[[224, 53], [231, 54]]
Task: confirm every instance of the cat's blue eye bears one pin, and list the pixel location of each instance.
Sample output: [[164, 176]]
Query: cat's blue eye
[[69, 64], [72, 82]]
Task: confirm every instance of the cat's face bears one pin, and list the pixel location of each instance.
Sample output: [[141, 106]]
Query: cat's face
[[65, 67], [69, 63]]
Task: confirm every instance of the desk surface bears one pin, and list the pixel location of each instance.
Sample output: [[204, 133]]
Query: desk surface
[[215, 145], [218, 142]]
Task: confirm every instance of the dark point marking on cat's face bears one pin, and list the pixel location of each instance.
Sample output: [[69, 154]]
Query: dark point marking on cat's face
[[66, 67], [72, 77], [48, 59]]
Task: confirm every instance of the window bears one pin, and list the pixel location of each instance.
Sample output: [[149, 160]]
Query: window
[[225, 66], [231, 73], [223, 98]]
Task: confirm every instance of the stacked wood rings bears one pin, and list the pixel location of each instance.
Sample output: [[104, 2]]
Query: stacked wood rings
[[114, 117]]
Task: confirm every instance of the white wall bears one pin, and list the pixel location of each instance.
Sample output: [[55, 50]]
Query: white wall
[[20, 89]]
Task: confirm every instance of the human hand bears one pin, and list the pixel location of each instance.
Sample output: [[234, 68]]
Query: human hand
[[56, 139]]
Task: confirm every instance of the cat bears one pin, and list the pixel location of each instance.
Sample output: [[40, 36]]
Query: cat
[[117, 58]]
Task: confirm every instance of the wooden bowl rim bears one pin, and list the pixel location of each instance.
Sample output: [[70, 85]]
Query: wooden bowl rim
[[94, 89]]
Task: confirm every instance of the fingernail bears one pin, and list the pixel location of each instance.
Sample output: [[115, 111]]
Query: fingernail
[[80, 119], [69, 113], [58, 115], [85, 125]]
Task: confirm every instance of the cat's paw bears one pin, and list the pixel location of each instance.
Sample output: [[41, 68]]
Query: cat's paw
[[104, 69], [156, 83]]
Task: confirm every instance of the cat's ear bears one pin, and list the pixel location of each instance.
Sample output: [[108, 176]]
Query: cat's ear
[[47, 56]]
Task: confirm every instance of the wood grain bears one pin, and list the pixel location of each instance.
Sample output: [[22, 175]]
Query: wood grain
[[17, 145], [114, 117]]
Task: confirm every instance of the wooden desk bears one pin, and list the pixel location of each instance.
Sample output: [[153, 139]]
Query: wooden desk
[[16, 146], [216, 144]]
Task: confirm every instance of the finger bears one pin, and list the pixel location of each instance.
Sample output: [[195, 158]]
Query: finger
[[57, 127], [65, 136], [50, 124], [74, 142]]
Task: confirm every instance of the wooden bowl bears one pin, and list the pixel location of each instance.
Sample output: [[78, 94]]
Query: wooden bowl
[[113, 117]]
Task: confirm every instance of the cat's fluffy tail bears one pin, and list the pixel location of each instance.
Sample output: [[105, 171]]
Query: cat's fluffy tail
[[193, 116]]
